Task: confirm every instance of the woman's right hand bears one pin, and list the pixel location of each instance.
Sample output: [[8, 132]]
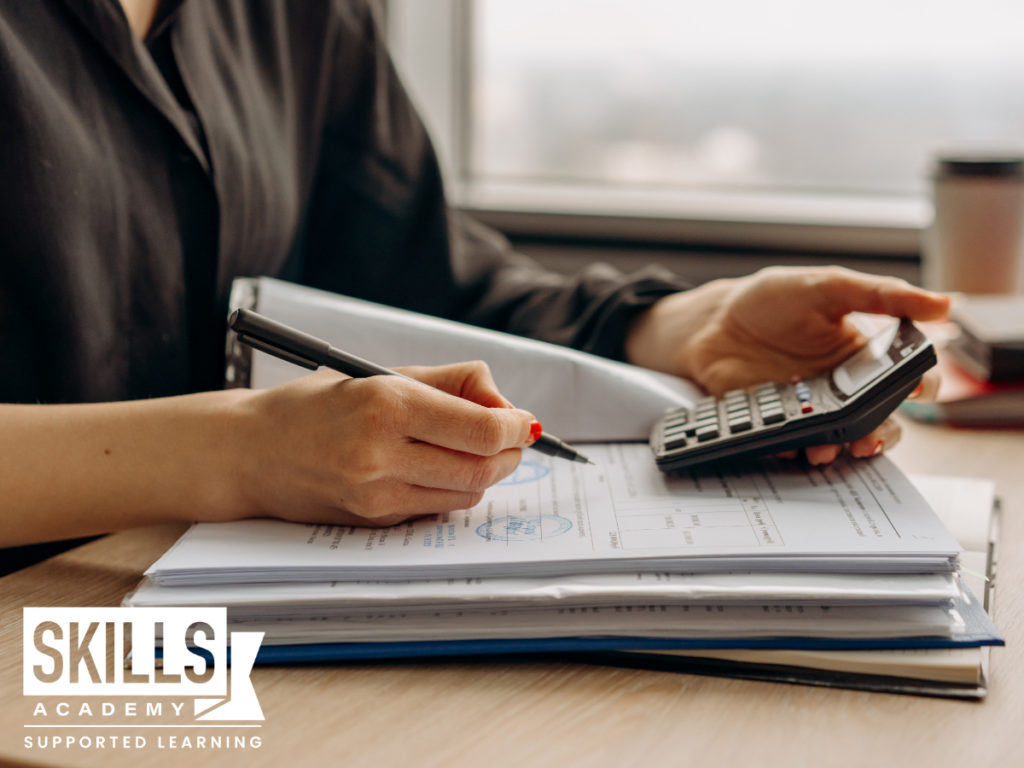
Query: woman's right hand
[[375, 451]]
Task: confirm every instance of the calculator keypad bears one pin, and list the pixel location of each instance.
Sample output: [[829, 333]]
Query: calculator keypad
[[737, 411], [769, 418]]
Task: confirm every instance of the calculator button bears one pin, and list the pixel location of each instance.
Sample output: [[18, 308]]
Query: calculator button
[[773, 416], [675, 443], [739, 405], [675, 421], [806, 408], [691, 429], [740, 423], [709, 432]]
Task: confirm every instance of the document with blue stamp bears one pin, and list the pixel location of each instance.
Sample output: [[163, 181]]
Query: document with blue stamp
[[622, 515]]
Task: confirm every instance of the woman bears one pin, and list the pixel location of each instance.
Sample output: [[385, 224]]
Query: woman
[[153, 152]]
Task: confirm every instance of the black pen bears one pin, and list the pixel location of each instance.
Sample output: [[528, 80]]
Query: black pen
[[300, 348]]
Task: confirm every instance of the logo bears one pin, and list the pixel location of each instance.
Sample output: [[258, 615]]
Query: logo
[[123, 658]]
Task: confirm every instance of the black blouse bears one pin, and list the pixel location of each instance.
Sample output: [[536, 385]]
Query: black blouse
[[243, 137]]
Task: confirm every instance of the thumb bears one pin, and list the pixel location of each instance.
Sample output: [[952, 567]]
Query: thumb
[[847, 291]]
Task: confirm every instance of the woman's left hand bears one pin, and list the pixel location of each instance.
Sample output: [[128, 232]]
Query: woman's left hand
[[775, 324]]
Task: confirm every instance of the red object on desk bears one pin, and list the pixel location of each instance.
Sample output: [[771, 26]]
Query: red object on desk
[[964, 400]]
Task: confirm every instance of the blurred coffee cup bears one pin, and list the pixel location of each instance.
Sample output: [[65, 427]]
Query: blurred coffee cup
[[976, 240]]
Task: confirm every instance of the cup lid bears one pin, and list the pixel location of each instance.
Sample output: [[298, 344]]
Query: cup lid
[[979, 165]]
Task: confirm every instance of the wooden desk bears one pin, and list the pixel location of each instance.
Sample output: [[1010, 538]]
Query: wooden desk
[[500, 714]]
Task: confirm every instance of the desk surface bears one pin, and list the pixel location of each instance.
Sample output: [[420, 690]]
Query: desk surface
[[569, 714]]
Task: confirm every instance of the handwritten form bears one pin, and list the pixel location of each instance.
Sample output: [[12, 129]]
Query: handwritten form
[[554, 517]]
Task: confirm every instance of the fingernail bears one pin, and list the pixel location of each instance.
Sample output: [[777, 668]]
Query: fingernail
[[878, 448], [535, 431]]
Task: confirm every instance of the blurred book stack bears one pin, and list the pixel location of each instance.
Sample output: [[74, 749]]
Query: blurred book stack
[[982, 366]]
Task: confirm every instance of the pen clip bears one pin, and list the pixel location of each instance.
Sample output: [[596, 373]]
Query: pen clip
[[283, 354]]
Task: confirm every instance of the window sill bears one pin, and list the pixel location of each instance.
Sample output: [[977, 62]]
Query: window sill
[[815, 223]]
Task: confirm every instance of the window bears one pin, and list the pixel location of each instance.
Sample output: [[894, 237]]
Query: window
[[734, 110]]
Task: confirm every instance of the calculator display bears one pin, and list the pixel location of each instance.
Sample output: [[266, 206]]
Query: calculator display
[[866, 365]]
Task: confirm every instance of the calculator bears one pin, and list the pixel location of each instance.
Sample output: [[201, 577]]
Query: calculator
[[842, 405]]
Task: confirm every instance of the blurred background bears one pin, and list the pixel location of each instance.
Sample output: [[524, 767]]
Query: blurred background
[[715, 137]]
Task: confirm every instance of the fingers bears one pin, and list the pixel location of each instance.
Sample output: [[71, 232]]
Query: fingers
[[440, 419], [426, 480], [447, 450], [395, 504], [886, 436], [430, 467], [470, 380], [465, 411], [928, 389], [822, 454], [847, 291]]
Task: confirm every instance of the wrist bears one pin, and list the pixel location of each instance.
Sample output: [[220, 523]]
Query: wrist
[[230, 469], [667, 337]]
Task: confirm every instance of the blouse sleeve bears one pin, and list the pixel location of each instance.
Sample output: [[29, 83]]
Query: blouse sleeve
[[379, 228]]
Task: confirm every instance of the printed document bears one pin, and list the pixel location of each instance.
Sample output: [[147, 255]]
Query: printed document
[[555, 517]]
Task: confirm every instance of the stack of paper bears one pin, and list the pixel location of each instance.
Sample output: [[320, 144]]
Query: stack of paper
[[617, 556], [969, 509], [841, 574]]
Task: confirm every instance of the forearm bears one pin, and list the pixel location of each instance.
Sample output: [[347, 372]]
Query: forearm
[[76, 470], [589, 310]]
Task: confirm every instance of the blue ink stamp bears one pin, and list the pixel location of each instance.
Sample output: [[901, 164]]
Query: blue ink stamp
[[521, 528], [527, 472]]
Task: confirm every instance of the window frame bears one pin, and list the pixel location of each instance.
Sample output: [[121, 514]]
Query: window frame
[[431, 41]]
